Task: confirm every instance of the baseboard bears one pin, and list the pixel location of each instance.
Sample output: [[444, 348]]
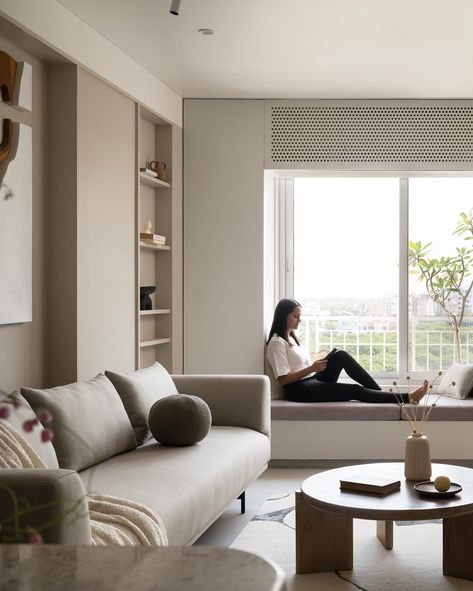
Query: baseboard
[[327, 464]]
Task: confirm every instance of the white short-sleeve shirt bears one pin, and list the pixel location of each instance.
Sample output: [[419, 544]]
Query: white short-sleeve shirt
[[285, 358]]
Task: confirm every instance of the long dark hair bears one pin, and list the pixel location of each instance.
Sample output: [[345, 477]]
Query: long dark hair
[[282, 311]]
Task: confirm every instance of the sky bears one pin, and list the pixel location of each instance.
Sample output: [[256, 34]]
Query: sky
[[346, 231]]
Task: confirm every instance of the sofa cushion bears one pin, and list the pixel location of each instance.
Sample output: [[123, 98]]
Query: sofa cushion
[[457, 381], [179, 419], [139, 390], [21, 411], [89, 421], [285, 410]]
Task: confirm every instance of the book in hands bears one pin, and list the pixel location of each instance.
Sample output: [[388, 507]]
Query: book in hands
[[378, 486], [324, 354]]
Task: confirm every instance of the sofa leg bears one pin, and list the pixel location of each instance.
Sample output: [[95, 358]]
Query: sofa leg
[[242, 499]]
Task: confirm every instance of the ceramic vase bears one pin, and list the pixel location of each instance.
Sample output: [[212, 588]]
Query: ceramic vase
[[417, 465]]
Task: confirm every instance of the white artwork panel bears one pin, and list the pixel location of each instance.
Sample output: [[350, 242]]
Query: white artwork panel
[[23, 89], [16, 226]]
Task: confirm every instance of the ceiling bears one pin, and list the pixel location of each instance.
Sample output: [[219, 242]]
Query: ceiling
[[295, 48]]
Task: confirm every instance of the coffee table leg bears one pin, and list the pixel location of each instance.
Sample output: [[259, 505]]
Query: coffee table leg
[[324, 540], [384, 531], [458, 547]]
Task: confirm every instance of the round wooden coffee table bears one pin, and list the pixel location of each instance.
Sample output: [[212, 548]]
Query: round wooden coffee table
[[324, 516]]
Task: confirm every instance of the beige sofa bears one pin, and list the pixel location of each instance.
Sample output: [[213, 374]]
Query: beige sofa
[[189, 487]]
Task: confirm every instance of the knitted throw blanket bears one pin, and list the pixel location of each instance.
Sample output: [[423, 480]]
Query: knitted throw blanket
[[113, 520]]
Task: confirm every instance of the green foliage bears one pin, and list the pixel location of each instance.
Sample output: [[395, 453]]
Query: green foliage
[[447, 278]]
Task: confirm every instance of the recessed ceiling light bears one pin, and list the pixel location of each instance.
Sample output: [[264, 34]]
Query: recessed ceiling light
[[206, 31]]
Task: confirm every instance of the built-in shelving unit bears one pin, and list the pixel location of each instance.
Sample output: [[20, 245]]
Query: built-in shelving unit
[[155, 203]]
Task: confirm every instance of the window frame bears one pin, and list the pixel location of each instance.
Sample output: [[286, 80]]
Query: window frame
[[285, 252]]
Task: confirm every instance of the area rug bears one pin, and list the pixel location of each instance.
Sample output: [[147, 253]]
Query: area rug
[[414, 564]]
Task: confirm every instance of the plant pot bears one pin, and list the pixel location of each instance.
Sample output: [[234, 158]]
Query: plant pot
[[417, 465]]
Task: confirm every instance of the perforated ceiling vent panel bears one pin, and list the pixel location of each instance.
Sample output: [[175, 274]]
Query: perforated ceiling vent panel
[[371, 134]]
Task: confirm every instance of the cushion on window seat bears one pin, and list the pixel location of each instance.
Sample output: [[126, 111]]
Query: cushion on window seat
[[285, 410], [448, 409]]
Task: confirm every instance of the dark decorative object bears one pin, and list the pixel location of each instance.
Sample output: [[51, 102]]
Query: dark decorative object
[[179, 419], [159, 167], [145, 300]]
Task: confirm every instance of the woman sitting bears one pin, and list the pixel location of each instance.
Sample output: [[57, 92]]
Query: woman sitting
[[303, 381]]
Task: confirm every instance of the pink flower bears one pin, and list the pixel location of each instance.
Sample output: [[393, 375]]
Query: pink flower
[[16, 403], [44, 416], [4, 412], [47, 435], [28, 426], [34, 537]]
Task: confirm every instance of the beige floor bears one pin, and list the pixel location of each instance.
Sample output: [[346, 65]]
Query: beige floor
[[271, 482]]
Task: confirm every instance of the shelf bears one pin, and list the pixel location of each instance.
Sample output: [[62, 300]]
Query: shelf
[[159, 202], [153, 182], [154, 342], [154, 246]]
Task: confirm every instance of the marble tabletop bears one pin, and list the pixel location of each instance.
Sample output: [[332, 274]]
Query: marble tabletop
[[26, 567]]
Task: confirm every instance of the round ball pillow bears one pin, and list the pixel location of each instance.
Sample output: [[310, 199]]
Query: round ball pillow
[[179, 419]]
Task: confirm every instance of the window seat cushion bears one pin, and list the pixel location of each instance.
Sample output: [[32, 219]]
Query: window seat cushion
[[285, 410], [449, 409]]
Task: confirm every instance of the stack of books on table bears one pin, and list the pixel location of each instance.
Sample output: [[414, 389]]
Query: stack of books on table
[[370, 484], [153, 238], [149, 172]]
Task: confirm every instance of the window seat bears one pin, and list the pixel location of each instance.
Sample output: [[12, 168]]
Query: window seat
[[285, 410], [447, 409], [360, 431]]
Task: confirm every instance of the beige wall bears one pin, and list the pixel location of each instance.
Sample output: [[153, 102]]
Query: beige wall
[[223, 236], [84, 233], [91, 228], [68, 35], [61, 222], [177, 240], [105, 228], [22, 346]]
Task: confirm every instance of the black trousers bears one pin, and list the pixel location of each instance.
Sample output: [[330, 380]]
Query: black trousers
[[323, 386]]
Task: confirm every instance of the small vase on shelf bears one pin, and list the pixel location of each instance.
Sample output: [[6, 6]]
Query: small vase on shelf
[[417, 464], [145, 300]]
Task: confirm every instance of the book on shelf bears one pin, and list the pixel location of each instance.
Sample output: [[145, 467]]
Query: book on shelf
[[156, 238], [149, 172], [370, 484]]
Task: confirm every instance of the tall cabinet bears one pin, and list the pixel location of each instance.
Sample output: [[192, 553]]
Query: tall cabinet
[[159, 266]]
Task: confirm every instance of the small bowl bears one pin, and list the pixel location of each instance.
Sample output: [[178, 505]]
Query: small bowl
[[427, 489]]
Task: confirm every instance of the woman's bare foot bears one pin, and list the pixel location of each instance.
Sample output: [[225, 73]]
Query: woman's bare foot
[[419, 393]]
